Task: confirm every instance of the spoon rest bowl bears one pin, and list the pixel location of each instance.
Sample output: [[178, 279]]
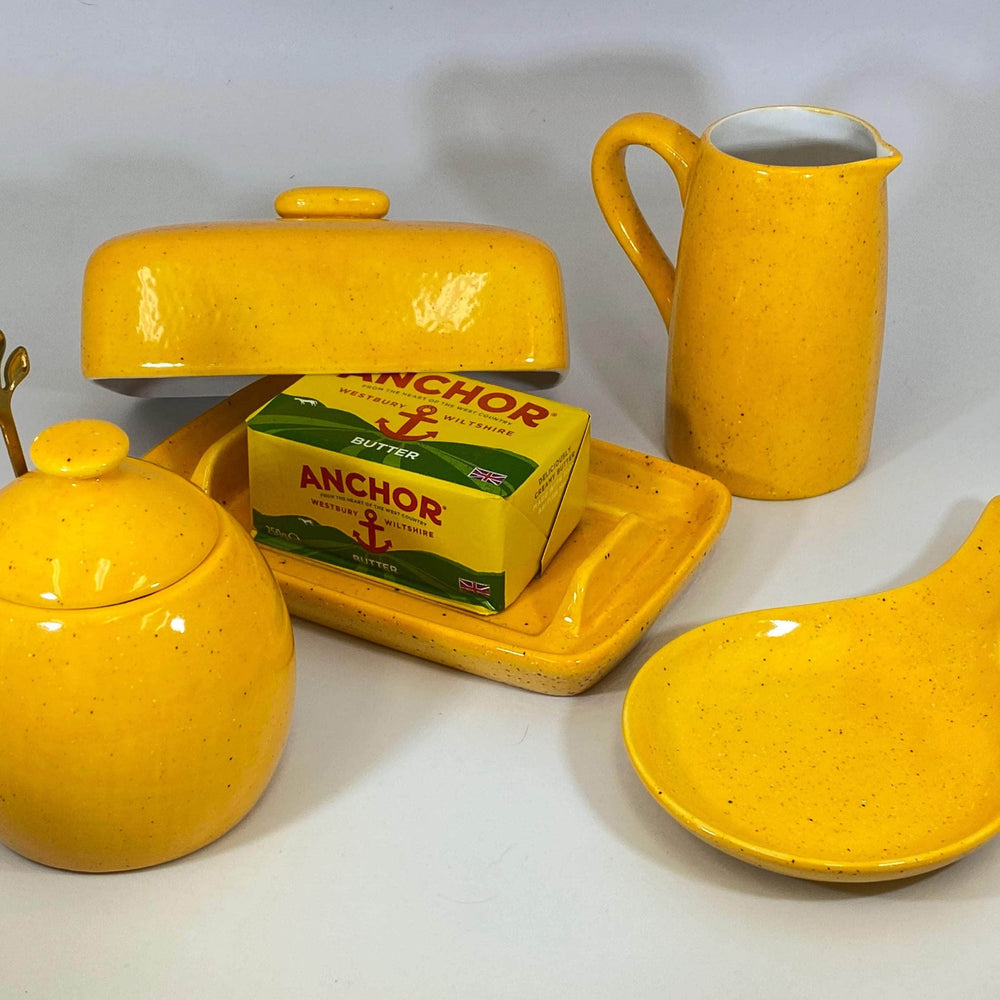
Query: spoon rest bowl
[[853, 740]]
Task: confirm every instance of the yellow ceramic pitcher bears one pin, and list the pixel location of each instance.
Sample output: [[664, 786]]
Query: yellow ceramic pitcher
[[776, 307]]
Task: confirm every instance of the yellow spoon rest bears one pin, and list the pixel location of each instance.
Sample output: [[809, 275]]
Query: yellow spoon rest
[[852, 740]]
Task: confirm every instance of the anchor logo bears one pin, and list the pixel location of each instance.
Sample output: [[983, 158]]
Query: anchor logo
[[413, 420], [369, 522]]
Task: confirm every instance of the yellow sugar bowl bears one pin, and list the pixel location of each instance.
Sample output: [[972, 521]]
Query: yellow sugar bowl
[[147, 667]]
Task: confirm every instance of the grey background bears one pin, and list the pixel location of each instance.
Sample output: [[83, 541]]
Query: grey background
[[430, 834]]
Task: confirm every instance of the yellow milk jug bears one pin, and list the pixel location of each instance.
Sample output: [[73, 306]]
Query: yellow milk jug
[[775, 311]]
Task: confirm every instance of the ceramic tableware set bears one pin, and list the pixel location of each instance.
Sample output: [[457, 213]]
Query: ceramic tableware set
[[148, 665]]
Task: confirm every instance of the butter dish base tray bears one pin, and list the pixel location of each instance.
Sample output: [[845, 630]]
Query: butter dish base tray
[[646, 527]]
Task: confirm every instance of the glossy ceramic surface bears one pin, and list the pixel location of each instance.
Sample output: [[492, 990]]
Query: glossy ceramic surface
[[645, 529], [331, 286], [146, 660], [776, 308], [854, 740]]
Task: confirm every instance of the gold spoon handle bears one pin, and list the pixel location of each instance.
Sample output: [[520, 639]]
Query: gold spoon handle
[[14, 372]]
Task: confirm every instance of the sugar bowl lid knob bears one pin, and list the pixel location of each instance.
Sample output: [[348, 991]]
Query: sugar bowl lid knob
[[80, 449]]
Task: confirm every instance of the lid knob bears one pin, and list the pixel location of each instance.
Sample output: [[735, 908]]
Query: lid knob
[[80, 449], [331, 203]]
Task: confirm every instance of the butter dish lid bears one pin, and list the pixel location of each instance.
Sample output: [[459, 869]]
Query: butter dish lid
[[92, 528], [331, 286]]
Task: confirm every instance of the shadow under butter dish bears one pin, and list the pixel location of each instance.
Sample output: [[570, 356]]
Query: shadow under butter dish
[[854, 740], [148, 663]]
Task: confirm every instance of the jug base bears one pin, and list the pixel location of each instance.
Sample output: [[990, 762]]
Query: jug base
[[755, 487]]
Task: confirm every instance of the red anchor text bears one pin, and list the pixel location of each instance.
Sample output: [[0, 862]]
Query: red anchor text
[[368, 488]]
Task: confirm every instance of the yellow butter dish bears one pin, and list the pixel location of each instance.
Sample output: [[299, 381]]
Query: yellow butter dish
[[644, 529], [853, 740], [329, 286]]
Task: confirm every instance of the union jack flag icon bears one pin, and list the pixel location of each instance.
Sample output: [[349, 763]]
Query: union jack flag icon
[[493, 478], [474, 586]]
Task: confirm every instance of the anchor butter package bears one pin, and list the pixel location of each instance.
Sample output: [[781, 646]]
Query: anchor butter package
[[439, 484]]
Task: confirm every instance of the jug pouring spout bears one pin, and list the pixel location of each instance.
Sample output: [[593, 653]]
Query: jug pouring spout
[[887, 160], [884, 158]]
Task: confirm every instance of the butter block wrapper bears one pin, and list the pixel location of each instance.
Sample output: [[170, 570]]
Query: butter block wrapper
[[436, 483]]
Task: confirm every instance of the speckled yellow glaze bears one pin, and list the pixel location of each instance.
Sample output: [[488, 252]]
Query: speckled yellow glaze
[[331, 286], [854, 740], [776, 308], [146, 660], [645, 529]]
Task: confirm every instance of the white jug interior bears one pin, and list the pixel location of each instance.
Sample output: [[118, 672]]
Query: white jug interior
[[795, 137]]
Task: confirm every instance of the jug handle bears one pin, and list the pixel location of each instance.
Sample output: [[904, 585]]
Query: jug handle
[[678, 146]]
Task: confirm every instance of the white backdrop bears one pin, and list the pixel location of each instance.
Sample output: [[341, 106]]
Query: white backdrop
[[430, 834]]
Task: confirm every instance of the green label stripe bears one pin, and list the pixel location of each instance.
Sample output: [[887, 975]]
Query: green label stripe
[[298, 418], [424, 571]]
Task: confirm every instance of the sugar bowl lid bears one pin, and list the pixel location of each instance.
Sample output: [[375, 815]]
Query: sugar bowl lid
[[93, 528]]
